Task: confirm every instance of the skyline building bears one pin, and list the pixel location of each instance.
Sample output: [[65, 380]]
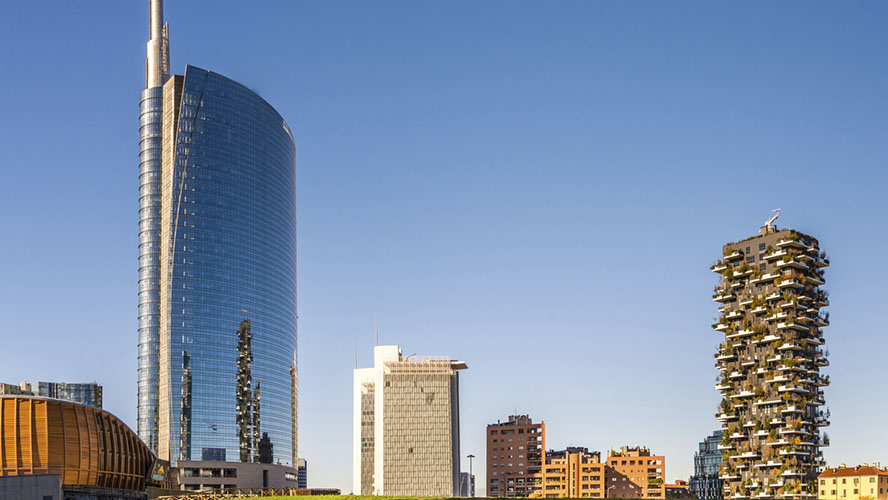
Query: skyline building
[[771, 300], [406, 425], [89, 393], [515, 453], [707, 462], [217, 266]]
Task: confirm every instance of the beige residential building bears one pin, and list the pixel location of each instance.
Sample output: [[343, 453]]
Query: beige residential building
[[853, 483], [406, 425]]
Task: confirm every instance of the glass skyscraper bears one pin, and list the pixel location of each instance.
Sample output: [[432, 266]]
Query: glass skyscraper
[[217, 302], [707, 461]]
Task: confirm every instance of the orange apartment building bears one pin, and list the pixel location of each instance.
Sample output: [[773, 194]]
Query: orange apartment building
[[635, 473], [515, 451], [572, 473]]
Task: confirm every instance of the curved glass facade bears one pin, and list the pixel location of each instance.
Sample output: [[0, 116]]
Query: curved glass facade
[[150, 108], [228, 234]]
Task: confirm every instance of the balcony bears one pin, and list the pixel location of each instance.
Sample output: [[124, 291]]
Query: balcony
[[725, 356], [736, 374], [792, 431], [792, 409], [792, 325], [759, 310], [734, 255], [792, 473], [791, 264], [744, 394], [722, 297], [722, 387], [721, 327], [719, 267], [790, 283], [776, 255], [787, 346], [791, 451], [725, 417], [740, 334], [768, 402], [741, 274], [733, 315], [821, 262], [774, 296], [793, 243]]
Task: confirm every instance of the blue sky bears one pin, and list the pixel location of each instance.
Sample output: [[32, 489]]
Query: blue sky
[[537, 188]]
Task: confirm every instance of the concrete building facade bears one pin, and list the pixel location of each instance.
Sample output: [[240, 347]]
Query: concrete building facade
[[515, 451], [770, 300], [406, 425]]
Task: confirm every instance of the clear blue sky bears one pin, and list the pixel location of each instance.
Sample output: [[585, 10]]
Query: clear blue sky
[[536, 188]]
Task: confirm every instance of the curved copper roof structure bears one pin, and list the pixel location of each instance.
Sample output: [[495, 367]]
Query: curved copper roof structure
[[87, 446]]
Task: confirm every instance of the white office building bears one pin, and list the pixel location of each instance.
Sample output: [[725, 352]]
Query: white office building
[[406, 425]]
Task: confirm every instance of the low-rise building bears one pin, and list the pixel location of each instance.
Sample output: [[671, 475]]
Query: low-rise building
[[679, 489], [634, 473], [853, 483], [210, 475]]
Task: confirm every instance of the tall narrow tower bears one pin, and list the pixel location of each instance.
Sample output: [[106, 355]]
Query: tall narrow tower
[[772, 388], [157, 71]]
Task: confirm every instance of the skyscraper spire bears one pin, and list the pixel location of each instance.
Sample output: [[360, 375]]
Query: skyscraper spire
[[157, 63]]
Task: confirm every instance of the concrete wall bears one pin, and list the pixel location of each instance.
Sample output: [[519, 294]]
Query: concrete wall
[[38, 487]]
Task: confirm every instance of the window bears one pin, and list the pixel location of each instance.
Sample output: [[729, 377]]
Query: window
[[761, 246], [750, 260], [762, 267]]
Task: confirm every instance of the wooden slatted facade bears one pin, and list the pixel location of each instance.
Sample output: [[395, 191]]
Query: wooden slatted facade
[[87, 446]]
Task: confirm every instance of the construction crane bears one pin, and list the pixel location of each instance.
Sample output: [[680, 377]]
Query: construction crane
[[769, 226]]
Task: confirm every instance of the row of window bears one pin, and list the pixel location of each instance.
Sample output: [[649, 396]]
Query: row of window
[[882, 479]]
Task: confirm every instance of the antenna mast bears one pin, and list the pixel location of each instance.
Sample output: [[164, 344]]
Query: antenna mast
[[157, 63]]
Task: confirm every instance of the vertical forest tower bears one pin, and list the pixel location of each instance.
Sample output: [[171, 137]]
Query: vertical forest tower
[[772, 408]]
